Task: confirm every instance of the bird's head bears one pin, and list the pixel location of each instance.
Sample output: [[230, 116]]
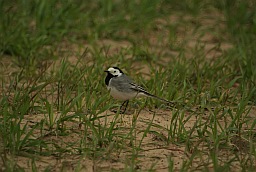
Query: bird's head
[[114, 71]]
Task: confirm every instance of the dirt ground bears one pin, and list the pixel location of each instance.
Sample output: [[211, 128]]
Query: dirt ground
[[154, 149]]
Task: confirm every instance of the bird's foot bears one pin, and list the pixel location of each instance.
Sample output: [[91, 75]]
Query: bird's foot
[[121, 111], [114, 110]]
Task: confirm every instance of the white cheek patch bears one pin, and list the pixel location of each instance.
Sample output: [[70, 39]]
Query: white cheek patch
[[117, 73], [114, 72]]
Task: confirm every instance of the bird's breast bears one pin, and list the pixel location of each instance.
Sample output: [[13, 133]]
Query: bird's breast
[[120, 95]]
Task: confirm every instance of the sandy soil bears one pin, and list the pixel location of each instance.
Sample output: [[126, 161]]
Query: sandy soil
[[154, 148]]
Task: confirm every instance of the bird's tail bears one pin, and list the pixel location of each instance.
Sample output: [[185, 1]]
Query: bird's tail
[[139, 89], [170, 103]]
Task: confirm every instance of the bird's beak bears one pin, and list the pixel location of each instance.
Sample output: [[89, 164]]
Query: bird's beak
[[105, 70]]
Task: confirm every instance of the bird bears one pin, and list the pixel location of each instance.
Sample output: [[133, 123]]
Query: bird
[[123, 88]]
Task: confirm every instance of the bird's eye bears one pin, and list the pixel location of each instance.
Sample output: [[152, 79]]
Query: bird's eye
[[114, 71]]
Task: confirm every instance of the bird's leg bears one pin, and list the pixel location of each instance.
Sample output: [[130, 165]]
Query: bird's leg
[[126, 104], [123, 104]]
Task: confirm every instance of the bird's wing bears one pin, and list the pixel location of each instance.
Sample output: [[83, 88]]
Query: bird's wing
[[139, 89], [123, 84]]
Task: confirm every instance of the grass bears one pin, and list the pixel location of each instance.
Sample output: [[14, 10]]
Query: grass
[[54, 103]]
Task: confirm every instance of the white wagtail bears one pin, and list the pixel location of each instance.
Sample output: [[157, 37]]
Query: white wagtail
[[123, 88]]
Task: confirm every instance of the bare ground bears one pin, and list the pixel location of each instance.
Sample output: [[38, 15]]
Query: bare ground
[[154, 150]]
